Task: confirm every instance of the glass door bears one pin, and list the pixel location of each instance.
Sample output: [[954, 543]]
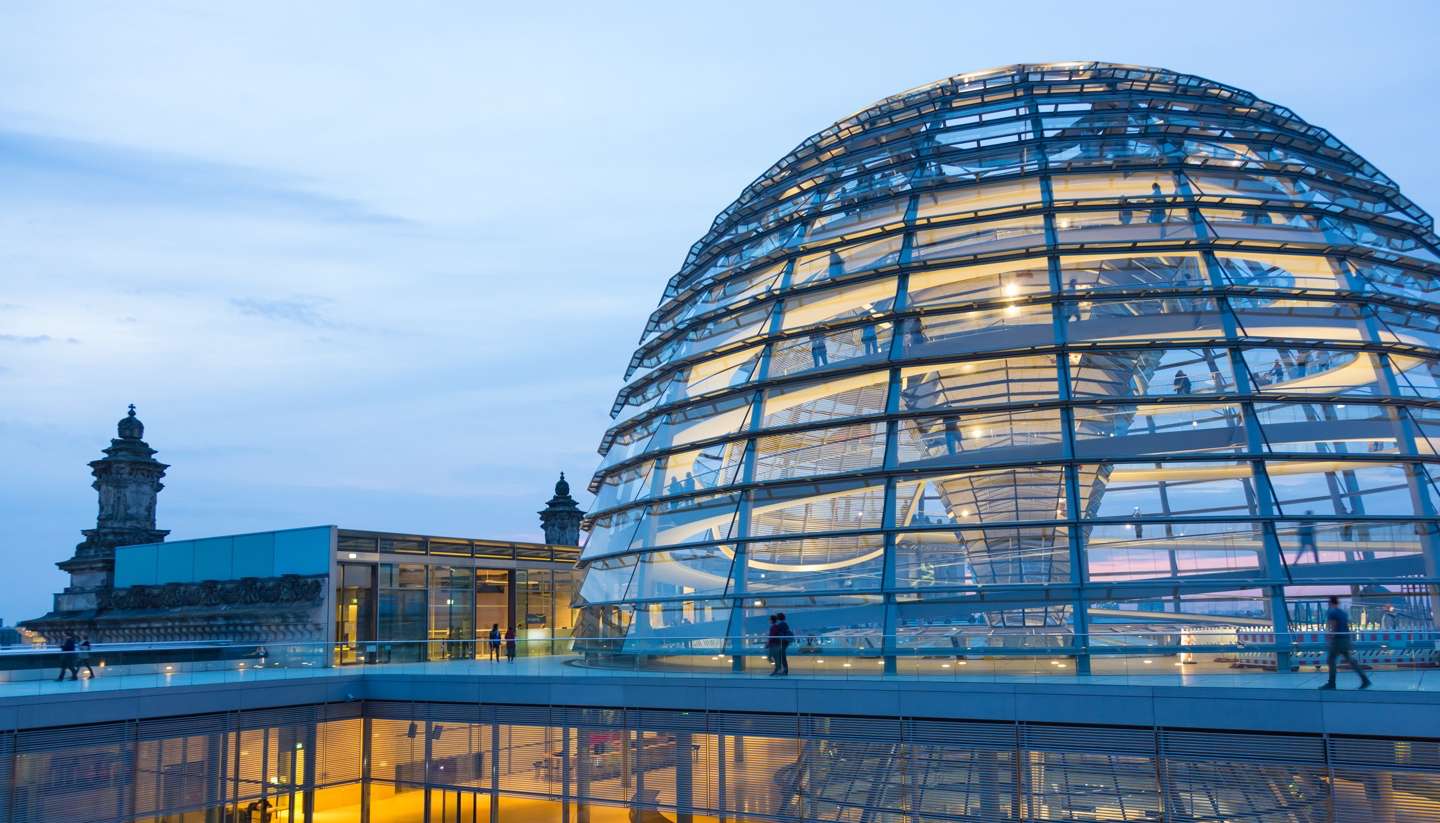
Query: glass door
[[452, 626], [354, 613], [492, 608]]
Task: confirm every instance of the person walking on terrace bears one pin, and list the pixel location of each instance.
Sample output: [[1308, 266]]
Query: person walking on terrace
[[495, 642], [510, 644], [780, 640], [772, 645], [1338, 642], [67, 659]]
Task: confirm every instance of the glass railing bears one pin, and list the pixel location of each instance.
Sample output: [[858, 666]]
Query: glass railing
[[1187, 652]]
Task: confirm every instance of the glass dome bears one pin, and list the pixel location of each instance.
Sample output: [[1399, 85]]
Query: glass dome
[[1065, 355]]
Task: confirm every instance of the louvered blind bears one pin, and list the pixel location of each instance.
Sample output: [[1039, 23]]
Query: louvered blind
[[175, 773], [7, 753], [1385, 779], [339, 747], [1076, 772], [80, 774], [1221, 776], [397, 751], [775, 767]]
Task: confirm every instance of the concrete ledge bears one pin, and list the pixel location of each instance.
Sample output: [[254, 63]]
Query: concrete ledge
[[1209, 706]]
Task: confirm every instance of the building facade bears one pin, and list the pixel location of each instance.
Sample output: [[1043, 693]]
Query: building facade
[[127, 480], [1048, 356], [413, 760], [329, 594], [341, 595]]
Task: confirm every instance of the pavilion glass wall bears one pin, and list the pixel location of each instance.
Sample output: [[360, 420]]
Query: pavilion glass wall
[[404, 608], [355, 619], [544, 616], [398, 612]]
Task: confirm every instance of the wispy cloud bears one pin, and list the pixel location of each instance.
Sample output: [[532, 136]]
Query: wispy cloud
[[48, 167], [304, 311], [33, 339]]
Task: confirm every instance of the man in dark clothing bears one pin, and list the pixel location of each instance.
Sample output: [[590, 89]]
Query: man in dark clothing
[[510, 644], [67, 659], [780, 639], [1338, 640], [260, 807], [1182, 382]]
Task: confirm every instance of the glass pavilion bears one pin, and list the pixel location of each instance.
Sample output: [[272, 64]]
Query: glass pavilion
[[1066, 356]]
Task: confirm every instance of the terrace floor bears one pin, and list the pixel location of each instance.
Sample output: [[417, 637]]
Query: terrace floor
[[1154, 672]]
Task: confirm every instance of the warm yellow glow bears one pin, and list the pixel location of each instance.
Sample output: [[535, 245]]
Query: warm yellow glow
[[1180, 473], [832, 565]]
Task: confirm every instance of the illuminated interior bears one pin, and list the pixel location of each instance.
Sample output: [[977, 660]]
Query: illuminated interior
[[1027, 355], [406, 597], [448, 763]]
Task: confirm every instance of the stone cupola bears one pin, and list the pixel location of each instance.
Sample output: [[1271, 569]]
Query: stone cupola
[[561, 517]]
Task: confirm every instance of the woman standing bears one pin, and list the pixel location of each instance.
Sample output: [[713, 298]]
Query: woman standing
[[510, 644]]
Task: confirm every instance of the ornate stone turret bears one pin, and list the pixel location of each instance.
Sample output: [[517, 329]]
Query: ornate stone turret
[[561, 517], [128, 481]]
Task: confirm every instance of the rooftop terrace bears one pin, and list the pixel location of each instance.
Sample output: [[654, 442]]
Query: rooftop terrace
[[1250, 701], [537, 737]]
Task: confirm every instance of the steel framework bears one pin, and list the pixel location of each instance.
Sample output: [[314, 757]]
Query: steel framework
[[383, 761], [1043, 356]]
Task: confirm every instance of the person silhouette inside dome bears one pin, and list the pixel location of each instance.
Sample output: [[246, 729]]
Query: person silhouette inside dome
[[1158, 213]]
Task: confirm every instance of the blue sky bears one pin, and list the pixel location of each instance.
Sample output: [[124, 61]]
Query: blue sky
[[383, 266]]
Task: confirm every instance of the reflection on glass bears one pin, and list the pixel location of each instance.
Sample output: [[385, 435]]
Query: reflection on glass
[[1008, 362]]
